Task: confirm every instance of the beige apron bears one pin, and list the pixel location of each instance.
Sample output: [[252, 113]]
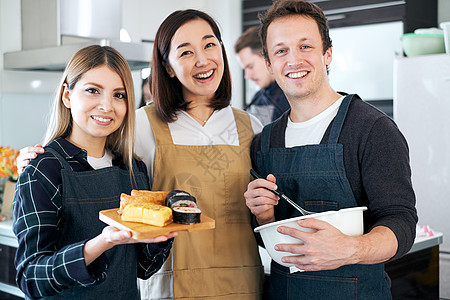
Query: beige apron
[[222, 263]]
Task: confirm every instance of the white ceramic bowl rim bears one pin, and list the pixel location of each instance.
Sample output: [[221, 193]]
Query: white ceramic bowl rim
[[329, 212]]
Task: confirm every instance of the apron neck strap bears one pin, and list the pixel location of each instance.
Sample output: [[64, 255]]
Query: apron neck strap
[[64, 163], [339, 120], [334, 133], [244, 127], [265, 138], [160, 128]]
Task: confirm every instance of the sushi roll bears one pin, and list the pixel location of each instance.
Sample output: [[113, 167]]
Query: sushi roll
[[177, 193], [182, 201], [184, 207], [181, 198], [186, 215]]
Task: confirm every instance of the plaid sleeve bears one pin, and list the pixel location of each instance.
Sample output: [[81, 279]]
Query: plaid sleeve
[[42, 269], [151, 257]]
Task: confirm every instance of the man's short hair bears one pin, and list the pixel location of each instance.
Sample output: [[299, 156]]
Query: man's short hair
[[250, 38], [284, 8]]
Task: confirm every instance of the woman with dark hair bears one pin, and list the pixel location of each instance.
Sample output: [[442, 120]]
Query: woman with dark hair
[[191, 139]]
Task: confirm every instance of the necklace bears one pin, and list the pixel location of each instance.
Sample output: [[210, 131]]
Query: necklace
[[201, 120]]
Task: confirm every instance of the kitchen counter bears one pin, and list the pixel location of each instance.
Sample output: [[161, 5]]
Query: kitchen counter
[[421, 243], [7, 236]]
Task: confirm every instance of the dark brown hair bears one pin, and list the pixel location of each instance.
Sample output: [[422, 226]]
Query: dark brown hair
[[167, 91], [283, 8], [250, 38]]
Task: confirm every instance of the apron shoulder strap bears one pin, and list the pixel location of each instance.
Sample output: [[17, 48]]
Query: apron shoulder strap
[[139, 180], [265, 138], [64, 163], [160, 128], [244, 126], [339, 120], [278, 130]]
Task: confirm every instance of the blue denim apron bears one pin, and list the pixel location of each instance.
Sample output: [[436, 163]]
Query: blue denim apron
[[84, 195], [314, 176]]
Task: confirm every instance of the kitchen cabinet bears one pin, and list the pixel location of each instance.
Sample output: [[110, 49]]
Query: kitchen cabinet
[[414, 13], [8, 246], [416, 275]]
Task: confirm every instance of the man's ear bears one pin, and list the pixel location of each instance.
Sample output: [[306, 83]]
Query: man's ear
[[268, 66], [66, 95], [169, 70], [328, 56]]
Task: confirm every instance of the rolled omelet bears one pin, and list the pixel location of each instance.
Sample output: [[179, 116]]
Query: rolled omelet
[[140, 197], [158, 197], [148, 213]]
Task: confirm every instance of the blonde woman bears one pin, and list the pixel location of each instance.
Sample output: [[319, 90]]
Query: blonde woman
[[64, 251]]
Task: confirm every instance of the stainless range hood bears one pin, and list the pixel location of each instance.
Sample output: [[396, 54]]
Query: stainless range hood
[[55, 58], [53, 30]]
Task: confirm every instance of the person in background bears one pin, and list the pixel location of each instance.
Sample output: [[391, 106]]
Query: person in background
[[65, 251], [269, 103], [329, 152], [192, 139], [146, 97]]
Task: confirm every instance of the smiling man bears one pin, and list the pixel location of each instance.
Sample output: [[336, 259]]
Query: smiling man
[[329, 152], [269, 103]]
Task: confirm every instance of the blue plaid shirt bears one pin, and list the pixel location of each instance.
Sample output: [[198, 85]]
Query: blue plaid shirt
[[42, 268]]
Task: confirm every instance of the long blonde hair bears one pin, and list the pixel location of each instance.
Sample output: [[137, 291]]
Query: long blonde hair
[[90, 57]]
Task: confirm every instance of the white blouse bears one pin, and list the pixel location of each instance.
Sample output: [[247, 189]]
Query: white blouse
[[220, 129]]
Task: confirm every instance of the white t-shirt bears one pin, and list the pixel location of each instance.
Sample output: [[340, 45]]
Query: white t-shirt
[[310, 132], [220, 129], [100, 163]]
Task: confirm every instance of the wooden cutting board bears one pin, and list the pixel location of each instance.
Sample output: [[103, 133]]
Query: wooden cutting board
[[145, 231]]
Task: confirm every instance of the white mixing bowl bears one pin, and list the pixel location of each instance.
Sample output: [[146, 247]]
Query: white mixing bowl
[[348, 220]]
